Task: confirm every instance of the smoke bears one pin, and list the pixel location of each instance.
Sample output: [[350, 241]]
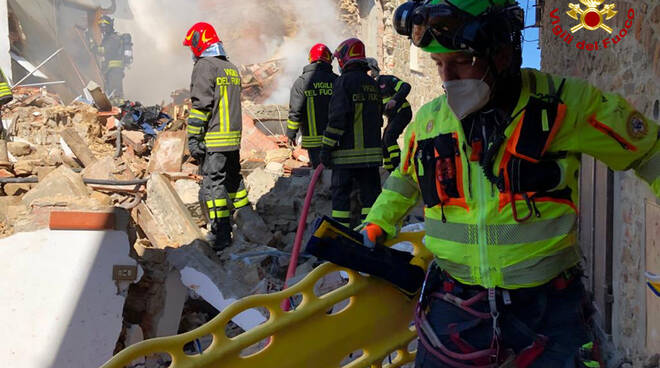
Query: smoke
[[252, 31]]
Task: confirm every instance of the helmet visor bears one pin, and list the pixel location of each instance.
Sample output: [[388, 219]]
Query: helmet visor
[[442, 22]]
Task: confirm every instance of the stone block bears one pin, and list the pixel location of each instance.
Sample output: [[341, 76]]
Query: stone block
[[13, 189], [253, 226], [60, 185], [167, 155], [25, 167], [43, 171], [19, 148], [170, 213]]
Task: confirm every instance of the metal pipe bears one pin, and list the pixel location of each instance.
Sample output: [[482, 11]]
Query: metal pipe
[[43, 84], [34, 179], [37, 68]]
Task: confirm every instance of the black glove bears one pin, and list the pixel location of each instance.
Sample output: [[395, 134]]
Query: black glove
[[291, 139], [326, 158], [197, 149]]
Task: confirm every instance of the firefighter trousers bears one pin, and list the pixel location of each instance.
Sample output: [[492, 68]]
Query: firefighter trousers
[[314, 156], [368, 183], [114, 82], [396, 125], [222, 190], [545, 326]]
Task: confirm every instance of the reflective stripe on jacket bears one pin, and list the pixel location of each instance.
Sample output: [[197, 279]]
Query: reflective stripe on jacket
[[308, 105], [355, 121], [5, 91], [473, 233], [216, 104]]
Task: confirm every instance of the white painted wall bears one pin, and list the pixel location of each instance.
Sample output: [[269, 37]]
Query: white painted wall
[[60, 306]]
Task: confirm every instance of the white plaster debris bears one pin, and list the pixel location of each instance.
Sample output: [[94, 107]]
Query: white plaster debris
[[204, 287], [61, 307]]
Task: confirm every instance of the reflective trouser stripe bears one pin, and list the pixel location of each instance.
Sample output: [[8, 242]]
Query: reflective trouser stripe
[[311, 116], [650, 170], [343, 217], [240, 199], [403, 186], [365, 212], [115, 64], [217, 208], [293, 125], [358, 126], [502, 234], [534, 271]]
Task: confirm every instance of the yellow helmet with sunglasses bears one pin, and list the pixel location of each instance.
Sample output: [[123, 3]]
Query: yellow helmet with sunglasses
[[477, 26]]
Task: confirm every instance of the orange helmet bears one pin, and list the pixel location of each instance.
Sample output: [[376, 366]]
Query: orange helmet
[[320, 52], [200, 37], [349, 51]]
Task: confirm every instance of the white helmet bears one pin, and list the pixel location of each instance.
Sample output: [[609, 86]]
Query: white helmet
[[373, 66]]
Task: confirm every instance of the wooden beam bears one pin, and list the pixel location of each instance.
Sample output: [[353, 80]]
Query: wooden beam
[[78, 146]]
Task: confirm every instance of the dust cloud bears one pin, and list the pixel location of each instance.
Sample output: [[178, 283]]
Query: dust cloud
[[252, 31]]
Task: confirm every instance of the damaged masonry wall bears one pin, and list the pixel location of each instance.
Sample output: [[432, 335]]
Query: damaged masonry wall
[[630, 67]]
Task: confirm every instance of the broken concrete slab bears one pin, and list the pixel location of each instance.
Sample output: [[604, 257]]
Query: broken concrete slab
[[252, 226], [188, 191], [167, 155], [211, 281], [25, 167], [147, 223], [100, 99], [19, 149], [69, 275], [258, 183], [14, 189], [107, 168], [170, 213], [61, 185]]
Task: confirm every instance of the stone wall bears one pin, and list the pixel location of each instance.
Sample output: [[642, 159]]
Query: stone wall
[[630, 67], [394, 51]]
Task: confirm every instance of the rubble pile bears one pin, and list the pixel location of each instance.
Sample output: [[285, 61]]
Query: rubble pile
[[77, 158]]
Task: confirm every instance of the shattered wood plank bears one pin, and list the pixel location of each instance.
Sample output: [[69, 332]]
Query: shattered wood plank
[[170, 213], [167, 155], [145, 219], [78, 146]]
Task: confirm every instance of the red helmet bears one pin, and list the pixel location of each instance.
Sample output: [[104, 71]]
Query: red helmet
[[200, 37], [349, 51], [320, 52]]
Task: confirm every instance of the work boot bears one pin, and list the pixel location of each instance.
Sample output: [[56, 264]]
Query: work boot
[[220, 235]]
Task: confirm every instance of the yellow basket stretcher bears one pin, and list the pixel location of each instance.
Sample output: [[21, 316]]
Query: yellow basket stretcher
[[377, 321]]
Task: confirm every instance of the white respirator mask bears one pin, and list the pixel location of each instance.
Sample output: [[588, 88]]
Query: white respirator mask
[[466, 96]]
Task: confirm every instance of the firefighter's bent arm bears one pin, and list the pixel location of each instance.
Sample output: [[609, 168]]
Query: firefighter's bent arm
[[297, 102], [400, 192], [202, 91], [607, 127]]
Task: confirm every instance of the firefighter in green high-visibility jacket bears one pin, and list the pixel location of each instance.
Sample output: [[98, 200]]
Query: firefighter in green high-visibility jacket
[[496, 162], [5, 91]]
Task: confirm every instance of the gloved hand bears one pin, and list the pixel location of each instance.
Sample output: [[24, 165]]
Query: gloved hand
[[291, 139], [390, 105], [326, 158], [373, 234], [197, 149]]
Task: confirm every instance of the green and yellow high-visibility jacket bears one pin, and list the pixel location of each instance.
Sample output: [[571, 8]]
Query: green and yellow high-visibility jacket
[[471, 230], [5, 91]]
